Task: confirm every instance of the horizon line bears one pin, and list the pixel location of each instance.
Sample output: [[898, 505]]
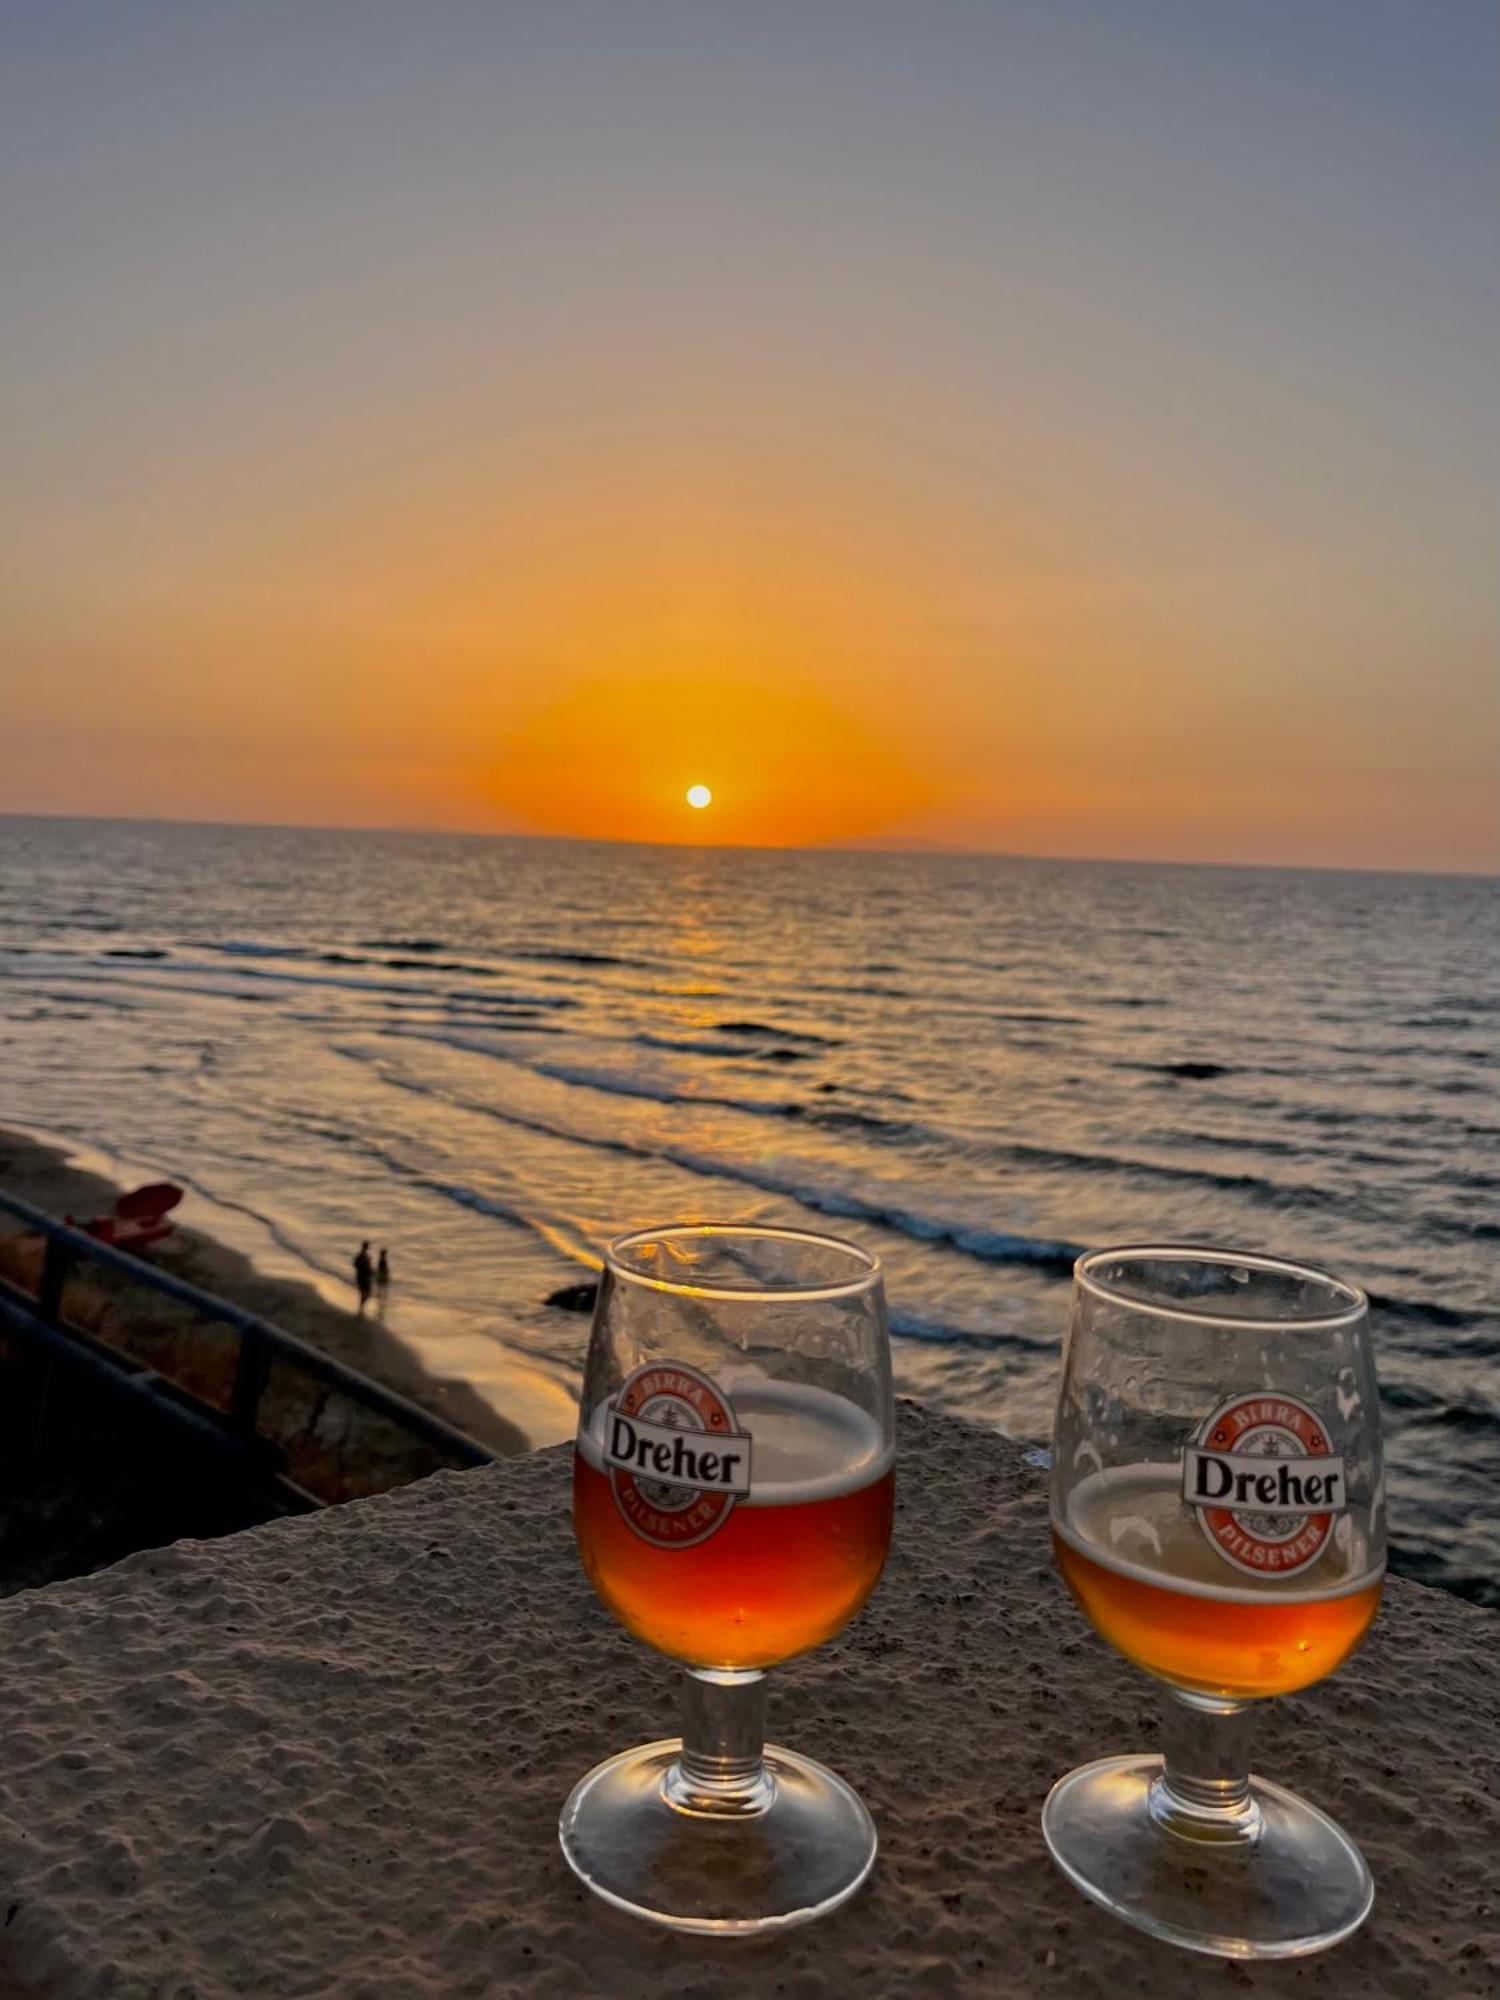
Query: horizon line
[[928, 849]]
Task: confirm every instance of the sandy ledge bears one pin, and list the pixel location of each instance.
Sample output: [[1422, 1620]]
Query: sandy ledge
[[326, 1757], [44, 1176]]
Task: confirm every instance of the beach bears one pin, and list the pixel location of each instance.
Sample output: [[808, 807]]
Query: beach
[[45, 1177]]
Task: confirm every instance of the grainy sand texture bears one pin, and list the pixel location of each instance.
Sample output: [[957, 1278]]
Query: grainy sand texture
[[326, 1757]]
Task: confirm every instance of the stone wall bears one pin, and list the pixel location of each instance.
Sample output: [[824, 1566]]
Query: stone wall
[[326, 1757]]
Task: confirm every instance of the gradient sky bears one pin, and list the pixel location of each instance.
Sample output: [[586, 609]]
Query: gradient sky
[[1025, 424]]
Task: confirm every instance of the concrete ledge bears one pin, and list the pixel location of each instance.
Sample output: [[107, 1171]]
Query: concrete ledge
[[326, 1757]]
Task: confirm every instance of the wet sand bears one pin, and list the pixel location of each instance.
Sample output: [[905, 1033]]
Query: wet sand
[[44, 1176]]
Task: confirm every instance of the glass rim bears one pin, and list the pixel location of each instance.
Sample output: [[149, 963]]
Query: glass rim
[[1357, 1302], [866, 1278]]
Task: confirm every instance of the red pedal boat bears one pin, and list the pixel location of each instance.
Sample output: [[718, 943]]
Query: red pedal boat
[[139, 1218]]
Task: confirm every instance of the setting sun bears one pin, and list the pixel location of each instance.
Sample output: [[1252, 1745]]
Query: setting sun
[[699, 796]]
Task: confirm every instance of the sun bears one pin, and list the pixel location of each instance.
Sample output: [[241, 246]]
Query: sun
[[699, 796]]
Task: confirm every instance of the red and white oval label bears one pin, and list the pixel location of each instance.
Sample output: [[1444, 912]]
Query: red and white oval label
[[677, 1459], [1266, 1483]]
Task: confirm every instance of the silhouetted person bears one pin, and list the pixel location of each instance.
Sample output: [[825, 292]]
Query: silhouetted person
[[383, 1270], [364, 1272]]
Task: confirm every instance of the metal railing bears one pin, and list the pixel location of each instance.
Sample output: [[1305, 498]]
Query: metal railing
[[236, 1430]]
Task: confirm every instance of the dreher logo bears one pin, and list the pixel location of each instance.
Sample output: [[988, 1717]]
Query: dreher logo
[[677, 1460], [1265, 1482]]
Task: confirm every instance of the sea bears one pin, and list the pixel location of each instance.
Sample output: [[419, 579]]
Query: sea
[[491, 1055]]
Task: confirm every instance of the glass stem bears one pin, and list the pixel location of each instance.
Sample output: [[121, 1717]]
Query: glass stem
[[720, 1771], [1203, 1789]]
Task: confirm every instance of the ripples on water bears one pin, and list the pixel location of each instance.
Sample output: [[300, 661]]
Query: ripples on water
[[494, 1054]]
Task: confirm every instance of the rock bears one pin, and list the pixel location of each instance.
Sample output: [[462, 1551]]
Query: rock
[[354, 1786], [574, 1298]]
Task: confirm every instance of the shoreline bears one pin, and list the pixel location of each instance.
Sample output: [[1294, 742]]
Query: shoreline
[[44, 1175]]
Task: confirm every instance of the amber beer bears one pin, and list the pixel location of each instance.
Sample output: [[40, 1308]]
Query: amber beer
[[774, 1557], [1152, 1585]]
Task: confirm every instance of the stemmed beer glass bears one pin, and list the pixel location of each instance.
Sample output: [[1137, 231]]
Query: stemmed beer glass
[[732, 1499], [1218, 1513]]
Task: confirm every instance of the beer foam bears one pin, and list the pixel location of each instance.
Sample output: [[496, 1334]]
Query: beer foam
[[1132, 1520], [807, 1443]]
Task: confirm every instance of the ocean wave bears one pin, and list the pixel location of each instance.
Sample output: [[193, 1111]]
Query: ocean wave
[[615, 1085], [1337, 1117], [1273, 1194], [458, 1192], [1035, 1016], [869, 992], [1470, 1410], [1428, 1312], [1460, 1228], [780, 1034], [521, 1121], [895, 1132], [1195, 1072], [548, 956], [552, 1003], [437, 965], [891, 1131], [1382, 1052], [650, 1090], [408, 964], [991, 1246], [244, 948], [680, 1045], [941, 1333], [1200, 1136], [102, 986], [281, 1237], [519, 1021], [867, 1124], [471, 1198], [181, 969]]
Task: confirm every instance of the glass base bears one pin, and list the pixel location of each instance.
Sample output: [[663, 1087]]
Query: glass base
[[1283, 1882], [801, 1846]]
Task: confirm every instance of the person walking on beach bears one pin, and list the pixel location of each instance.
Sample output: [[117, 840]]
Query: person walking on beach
[[382, 1271], [364, 1272]]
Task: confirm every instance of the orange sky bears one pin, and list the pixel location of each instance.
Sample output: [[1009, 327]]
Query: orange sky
[[1058, 434]]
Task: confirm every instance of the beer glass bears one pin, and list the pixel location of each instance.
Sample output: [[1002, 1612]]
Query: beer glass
[[732, 1497], [1218, 1513]]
